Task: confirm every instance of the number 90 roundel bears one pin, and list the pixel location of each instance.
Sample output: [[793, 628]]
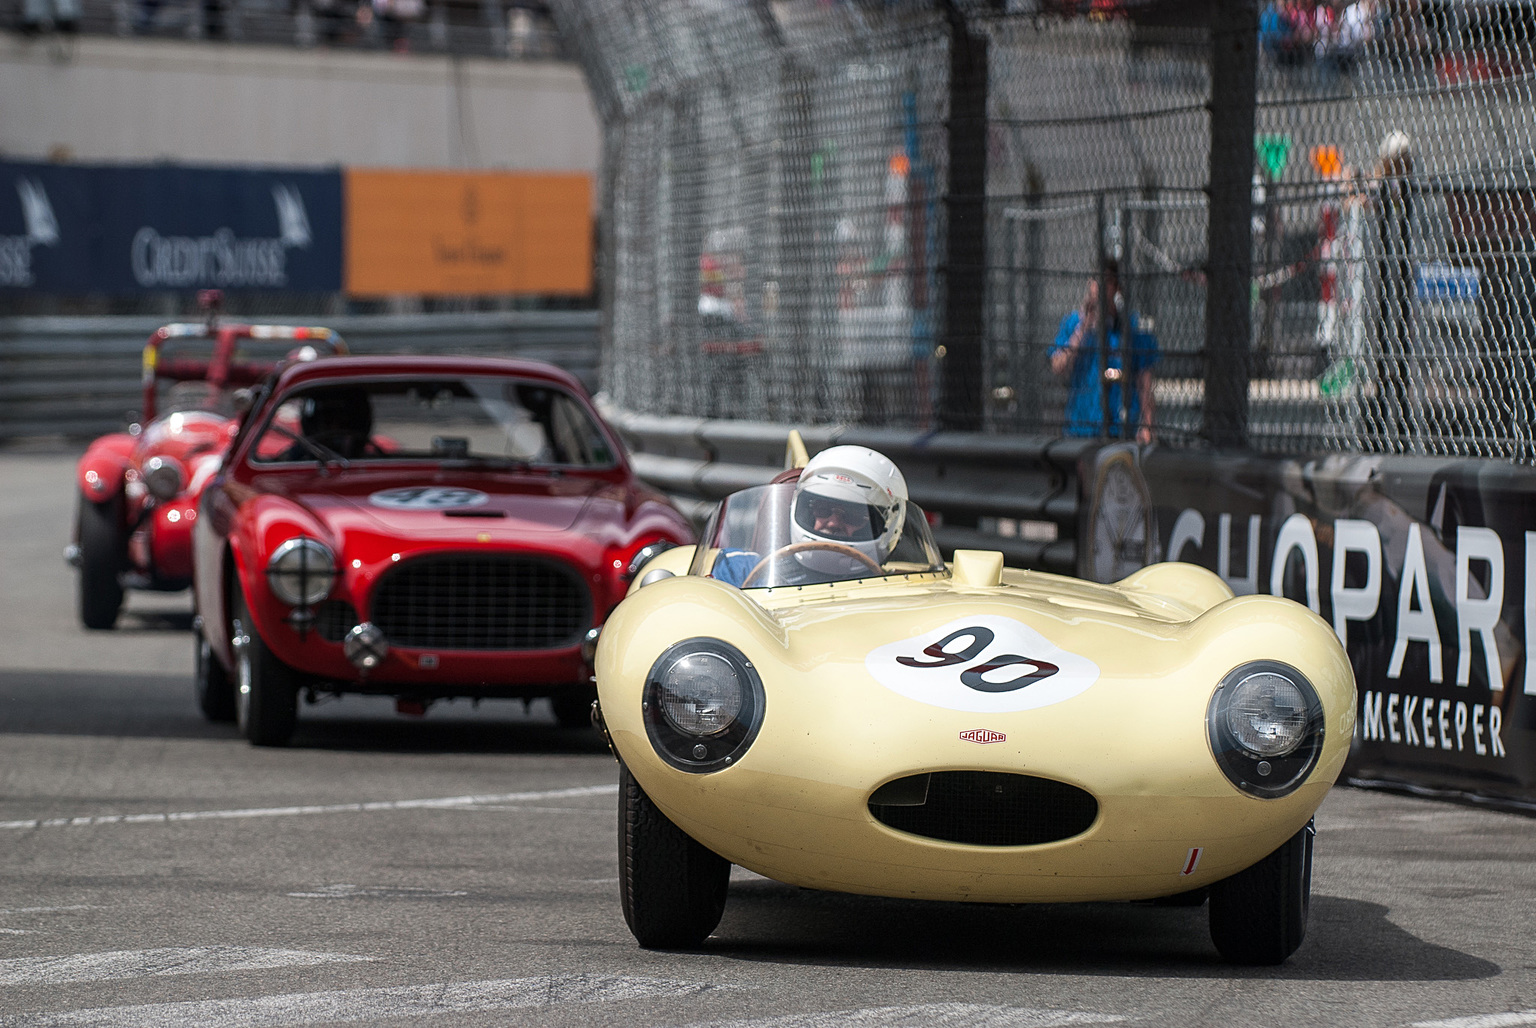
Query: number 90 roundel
[[985, 663]]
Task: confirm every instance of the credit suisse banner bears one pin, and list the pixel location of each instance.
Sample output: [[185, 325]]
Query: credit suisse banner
[[119, 229], [1425, 568], [455, 233], [122, 229]]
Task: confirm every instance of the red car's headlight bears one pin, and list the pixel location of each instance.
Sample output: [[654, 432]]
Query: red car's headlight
[[301, 571], [163, 477]]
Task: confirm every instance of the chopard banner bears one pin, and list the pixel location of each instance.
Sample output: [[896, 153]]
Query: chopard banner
[[121, 229], [1425, 568]]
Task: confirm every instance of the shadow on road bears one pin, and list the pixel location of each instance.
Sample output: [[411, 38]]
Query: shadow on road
[[162, 707], [1347, 940]]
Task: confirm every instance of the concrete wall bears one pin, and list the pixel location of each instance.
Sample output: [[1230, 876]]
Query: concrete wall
[[110, 100]]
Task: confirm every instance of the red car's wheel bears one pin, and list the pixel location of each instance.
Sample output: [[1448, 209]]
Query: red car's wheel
[[215, 689], [103, 555], [673, 889], [266, 689]]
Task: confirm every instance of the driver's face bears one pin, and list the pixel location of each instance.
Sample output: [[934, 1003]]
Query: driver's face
[[836, 520]]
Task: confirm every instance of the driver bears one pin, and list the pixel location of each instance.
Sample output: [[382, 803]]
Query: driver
[[339, 418], [847, 497]]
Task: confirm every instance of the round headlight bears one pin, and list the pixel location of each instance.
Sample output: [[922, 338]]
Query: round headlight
[[703, 705], [162, 477], [301, 571], [1265, 724], [1267, 714], [701, 694]]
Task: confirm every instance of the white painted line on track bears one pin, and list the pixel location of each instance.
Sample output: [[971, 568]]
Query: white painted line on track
[[150, 963], [445, 802], [346, 891], [50, 910], [366, 1006], [1512, 1017], [925, 1015]]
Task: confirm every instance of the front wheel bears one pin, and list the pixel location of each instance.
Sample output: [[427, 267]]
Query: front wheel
[[103, 555], [1259, 916], [266, 689], [215, 690], [672, 888]]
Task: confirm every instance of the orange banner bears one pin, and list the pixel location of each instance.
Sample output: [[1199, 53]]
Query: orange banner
[[448, 233]]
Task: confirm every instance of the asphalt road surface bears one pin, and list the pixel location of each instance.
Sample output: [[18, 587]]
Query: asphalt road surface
[[459, 870]]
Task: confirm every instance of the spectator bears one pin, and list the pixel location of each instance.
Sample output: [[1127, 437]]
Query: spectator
[[1076, 355]]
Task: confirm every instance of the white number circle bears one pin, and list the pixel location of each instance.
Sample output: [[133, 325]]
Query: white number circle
[[428, 497]]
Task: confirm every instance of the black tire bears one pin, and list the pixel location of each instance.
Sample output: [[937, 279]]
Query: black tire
[[266, 690], [215, 689], [1259, 916], [573, 709], [672, 888], [103, 556]]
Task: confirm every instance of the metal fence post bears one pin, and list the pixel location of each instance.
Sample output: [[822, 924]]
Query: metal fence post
[[1229, 248], [965, 244]]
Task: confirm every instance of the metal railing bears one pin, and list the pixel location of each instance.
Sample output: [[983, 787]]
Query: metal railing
[[79, 377]]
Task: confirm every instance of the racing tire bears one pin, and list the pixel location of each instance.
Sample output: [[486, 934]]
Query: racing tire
[[103, 555], [1259, 916], [266, 690], [215, 689], [673, 889], [573, 709]]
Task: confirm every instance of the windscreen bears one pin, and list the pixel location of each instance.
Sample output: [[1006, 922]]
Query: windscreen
[[776, 535], [487, 420]]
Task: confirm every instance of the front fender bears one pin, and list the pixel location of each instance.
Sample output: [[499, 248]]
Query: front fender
[[264, 525], [101, 473]]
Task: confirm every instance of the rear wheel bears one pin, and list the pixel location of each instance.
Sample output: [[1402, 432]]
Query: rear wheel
[[215, 689], [672, 888], [266, 689], [1259, 916], [103, 555]]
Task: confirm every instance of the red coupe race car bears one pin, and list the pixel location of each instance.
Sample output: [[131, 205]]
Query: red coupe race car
[[416, 527], [139, 488]]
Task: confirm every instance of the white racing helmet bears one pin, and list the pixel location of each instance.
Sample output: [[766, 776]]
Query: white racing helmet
[[856, 496]]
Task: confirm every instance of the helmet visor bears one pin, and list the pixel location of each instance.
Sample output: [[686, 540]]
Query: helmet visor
[[839, 520]]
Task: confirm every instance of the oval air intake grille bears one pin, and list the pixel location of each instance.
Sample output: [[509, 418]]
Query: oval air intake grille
[[984, 808], [482, 602]]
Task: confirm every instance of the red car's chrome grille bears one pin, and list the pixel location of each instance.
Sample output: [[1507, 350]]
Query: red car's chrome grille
[[482, 602], [984, 808]]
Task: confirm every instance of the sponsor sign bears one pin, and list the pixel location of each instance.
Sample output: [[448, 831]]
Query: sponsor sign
[[457, 233], [123, 229], [1426, 569], [986, 664]]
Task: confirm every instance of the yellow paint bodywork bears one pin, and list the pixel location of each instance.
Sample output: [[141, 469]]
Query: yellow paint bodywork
[[794, 807]]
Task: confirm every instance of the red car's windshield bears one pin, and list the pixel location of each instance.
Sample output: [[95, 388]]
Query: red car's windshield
[[492, 419]]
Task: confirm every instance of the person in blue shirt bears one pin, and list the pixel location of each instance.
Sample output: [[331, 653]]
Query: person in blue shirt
[[1076, 355]]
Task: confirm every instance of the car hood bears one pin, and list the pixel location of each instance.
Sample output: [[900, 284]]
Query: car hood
[[425, 507]]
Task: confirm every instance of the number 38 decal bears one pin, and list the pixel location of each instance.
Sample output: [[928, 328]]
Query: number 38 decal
[[984, 664]]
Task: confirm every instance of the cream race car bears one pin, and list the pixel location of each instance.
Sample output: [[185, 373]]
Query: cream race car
[[881, 723]]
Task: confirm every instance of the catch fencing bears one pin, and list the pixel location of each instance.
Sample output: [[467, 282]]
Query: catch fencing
[[79, 377], [879, 215]]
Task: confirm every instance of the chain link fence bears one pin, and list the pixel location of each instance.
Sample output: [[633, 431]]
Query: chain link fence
[[786, 191]]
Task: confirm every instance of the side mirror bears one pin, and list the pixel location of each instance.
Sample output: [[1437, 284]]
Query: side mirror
[[241, 399]]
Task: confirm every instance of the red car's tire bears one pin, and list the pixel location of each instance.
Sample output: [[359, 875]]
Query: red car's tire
[[215, 689], [266, 692], [103, 555], [1259, 916], [673, 889]]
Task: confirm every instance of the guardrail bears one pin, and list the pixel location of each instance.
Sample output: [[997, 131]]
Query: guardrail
[[78, 377], [1014, 494]]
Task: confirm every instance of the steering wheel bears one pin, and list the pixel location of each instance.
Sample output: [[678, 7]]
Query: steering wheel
[[761, 568]]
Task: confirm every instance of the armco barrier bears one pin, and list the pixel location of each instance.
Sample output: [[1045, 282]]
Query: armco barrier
[[79, 377], [1017, 495]]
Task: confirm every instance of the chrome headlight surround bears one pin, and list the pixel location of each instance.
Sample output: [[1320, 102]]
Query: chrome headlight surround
[[1265, 726], [703, 704], [301, 571], [163, 477], [645, 554]]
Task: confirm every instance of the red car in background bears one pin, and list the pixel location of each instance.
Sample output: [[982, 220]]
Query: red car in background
[[417, 527], [139, 488]]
